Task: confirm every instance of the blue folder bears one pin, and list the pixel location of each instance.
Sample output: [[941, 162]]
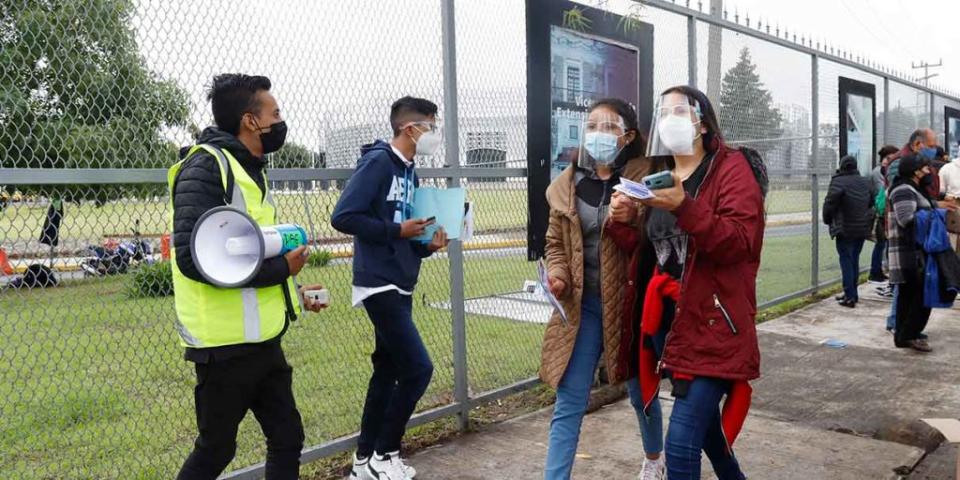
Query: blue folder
[[447, 205]]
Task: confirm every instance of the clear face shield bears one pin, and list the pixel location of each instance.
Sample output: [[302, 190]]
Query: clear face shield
[[675, 126], [600, 142]]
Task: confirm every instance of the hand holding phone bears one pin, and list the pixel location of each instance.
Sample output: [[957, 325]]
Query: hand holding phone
[[659, 180]]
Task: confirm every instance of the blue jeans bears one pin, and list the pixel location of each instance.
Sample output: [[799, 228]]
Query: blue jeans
[[651, 423], [892, 318], [849, 250], [695, 426], [876, 260], [573, 393]]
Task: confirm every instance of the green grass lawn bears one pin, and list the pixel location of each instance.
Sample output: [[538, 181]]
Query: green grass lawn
[[103, 392], [786, 263], [497, 207]]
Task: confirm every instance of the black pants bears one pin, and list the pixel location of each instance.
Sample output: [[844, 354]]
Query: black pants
[[260, 381], [912, 316], [401, 373]]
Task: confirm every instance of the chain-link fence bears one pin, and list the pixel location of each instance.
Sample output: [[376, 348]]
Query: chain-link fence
[[96, 97]]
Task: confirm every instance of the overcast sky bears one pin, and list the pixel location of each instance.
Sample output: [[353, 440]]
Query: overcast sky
[[892, 32], [338, 63]]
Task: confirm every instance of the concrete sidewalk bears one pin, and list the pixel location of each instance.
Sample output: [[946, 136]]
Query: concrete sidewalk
[[819, 412]]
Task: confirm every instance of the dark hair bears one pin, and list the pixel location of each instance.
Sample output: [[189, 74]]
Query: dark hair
[[910, 164], [886, 151], [940, 153], [847, 164], [634, 149], [233, 94], [708, 116], [403, 109]]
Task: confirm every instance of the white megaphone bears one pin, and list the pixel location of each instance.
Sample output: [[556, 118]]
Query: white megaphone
[[229, 247]]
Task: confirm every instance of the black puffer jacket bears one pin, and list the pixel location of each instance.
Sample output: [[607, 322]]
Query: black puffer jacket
[[198, 188], [849, 206]]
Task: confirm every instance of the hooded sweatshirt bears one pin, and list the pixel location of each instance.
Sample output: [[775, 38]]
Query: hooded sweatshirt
[[377, 199]]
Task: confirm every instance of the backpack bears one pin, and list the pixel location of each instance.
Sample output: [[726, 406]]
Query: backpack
[[759, 168], [880, 203]]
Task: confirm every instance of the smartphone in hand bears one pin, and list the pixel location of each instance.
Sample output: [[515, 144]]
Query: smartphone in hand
[[659, 180]]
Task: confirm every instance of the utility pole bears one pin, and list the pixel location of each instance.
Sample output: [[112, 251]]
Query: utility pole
[[926, 70]]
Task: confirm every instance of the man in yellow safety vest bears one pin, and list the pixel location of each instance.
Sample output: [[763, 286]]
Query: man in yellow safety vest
[[232, 335]]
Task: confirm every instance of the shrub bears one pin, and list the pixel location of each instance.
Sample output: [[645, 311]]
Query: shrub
[[154, 280], [319, 258]]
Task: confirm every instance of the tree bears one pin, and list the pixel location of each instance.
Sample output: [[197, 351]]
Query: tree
[[746, 110], [75, 93], [294, 155]]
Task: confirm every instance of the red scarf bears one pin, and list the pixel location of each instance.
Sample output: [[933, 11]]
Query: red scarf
[[737, 403]]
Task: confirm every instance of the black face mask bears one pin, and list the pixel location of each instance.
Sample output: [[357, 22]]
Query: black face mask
[[926, 181], [274, 139]]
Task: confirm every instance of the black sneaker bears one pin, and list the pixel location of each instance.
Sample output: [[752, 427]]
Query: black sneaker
[[920, 345], [849, 303]]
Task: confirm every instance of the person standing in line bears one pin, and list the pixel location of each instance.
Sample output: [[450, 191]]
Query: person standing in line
[[950, 189], [907, 196], [849, 211], [376, 208], [880, 246]]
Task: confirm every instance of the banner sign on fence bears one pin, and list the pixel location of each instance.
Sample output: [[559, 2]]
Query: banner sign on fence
[[951, 131], [583, 54], [858, 126]]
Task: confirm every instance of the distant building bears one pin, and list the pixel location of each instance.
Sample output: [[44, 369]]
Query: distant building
[[493, 133], [792, 154]]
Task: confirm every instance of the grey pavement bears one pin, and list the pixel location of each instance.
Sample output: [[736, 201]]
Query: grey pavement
[[819, 412]]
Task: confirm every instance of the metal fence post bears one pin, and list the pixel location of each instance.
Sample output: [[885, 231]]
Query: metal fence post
[[461, 391], [814, 231], [886, 110], [814, 181], [692, 51]]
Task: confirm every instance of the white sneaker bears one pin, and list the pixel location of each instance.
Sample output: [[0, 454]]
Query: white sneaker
[[410, 471], [387, 467], [359, 470], [653, 469]]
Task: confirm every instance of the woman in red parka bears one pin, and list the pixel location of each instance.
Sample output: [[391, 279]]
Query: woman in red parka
[[707, 230]]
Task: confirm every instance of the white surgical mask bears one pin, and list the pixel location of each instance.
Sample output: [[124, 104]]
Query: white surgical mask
[[677, 134], [429, 143]]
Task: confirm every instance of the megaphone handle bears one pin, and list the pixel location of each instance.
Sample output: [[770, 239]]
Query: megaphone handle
[[299, 296]]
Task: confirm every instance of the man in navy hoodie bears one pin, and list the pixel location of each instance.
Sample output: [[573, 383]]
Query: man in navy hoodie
[[376, 208]]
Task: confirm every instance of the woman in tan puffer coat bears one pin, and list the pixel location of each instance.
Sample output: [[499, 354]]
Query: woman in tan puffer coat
[[589, 274]]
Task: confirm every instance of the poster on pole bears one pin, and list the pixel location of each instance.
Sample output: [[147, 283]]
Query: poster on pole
[[858, 129], [576, 55], [951, 134]]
